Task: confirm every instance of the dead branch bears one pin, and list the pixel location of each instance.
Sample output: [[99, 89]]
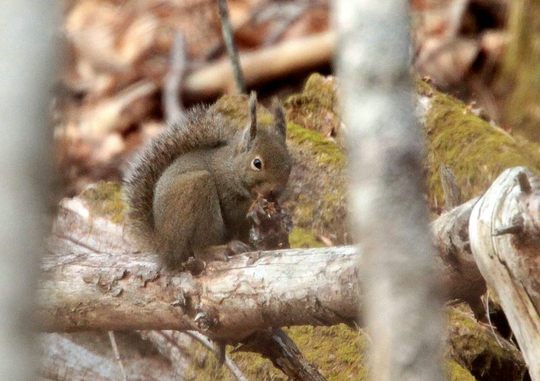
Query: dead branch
[[231, 365], [228, 38], [461, 279], [452, 194], [117, 355], [173, 346], [504, 230], [276, 345], [95, 279], [173, 80]]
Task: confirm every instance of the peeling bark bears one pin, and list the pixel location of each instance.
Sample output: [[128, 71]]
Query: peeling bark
[[504, 230]]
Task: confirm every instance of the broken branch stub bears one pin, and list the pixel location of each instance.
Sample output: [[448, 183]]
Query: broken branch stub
[[504, 232]]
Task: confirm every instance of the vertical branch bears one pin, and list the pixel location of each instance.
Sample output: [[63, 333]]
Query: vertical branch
[[27, 68], [173, 110], [389, 215], [228, 38]]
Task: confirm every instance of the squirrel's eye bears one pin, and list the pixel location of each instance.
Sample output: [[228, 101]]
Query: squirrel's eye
[[256, 164]]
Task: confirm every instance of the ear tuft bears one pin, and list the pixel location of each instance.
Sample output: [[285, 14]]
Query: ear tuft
[[279, 117], [252, 115], [250, 132]]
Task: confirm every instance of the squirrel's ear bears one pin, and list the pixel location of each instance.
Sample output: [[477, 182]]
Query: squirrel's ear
[[251, 129], [279, 118]]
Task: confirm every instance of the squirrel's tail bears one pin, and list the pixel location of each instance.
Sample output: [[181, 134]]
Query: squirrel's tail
[[201, 128]]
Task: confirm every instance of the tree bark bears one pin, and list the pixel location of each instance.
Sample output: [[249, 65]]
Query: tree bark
[[389, 213], [505, 237], [95, 279]]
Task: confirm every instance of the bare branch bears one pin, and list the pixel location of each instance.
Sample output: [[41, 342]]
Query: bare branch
[[95, 279], [174, 113], [452, 194], [228, 38], [229, 363], [117, 354], [286, 57]]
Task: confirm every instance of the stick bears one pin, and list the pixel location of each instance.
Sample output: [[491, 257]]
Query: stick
[[228, 37], [174, 112], [117, 354]]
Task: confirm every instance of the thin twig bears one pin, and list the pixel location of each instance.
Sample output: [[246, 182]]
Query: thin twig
[[117, 355], [489, 320], [174, 112], [452, 194], [228, 38], [229, 363]]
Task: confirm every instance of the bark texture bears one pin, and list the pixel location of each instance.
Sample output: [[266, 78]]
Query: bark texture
[[389, 214], [94, 279], [505, 238]]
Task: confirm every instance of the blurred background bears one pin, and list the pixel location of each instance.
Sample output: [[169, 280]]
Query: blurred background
[[117, 53]]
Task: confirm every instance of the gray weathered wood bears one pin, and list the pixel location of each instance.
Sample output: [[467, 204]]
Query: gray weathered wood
[[94, 279], [504, 230]]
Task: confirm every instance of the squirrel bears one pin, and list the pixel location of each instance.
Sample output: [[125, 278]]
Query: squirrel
[[189, 191]]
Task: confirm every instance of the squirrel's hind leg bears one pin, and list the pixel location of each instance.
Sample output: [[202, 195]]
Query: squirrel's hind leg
[[188, 218]]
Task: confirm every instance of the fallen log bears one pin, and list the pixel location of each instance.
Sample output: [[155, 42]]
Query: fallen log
[[95, 279]]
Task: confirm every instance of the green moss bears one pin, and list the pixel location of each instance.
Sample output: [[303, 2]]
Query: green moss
[[303, 238], [315, 107], [235, 108], [105, 199], [338, 351], [324, 150], [475, 347], [456, 372], [476, 151]]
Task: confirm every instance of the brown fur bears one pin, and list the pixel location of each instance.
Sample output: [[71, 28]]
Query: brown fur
[[192, 186]]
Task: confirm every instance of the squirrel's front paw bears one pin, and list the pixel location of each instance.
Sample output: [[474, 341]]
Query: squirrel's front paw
[[235, 247]]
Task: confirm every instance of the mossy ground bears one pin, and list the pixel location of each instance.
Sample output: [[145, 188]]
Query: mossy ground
[[105, 200], [314, 108], [475, 347]]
